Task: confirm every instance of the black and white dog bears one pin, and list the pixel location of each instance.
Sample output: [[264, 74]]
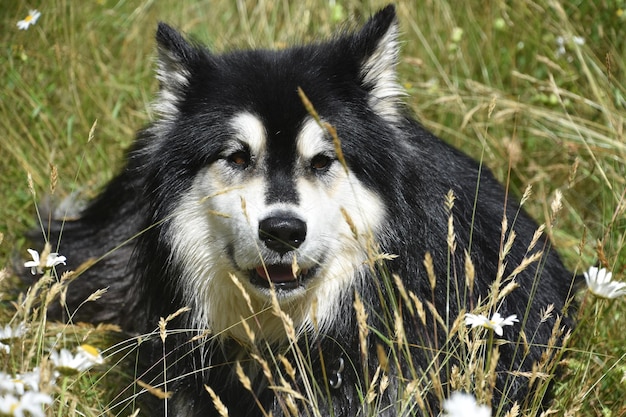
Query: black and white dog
[[241, 203]]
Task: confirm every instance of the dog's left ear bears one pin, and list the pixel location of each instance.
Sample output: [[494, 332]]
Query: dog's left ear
[[377, 46], [175, 65]]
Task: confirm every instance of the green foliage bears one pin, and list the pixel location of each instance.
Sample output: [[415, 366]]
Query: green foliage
[[510, 83]]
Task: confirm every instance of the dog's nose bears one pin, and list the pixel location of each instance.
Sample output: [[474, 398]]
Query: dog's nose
[[282, 234]]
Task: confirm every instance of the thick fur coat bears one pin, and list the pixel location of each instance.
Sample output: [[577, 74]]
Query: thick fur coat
[[241, 204]]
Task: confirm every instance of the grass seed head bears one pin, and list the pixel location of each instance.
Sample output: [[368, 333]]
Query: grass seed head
[[217, 402], [430, 270]]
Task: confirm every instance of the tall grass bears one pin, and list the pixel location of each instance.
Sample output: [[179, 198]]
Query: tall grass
[[511, 84]]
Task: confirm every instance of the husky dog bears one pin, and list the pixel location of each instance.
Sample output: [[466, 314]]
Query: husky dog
[[285, 198]]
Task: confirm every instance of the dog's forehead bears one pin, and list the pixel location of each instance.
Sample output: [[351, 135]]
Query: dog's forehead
[[267, 81], [310, 138]]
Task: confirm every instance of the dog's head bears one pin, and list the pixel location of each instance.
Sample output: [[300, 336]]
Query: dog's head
[[265, 198]]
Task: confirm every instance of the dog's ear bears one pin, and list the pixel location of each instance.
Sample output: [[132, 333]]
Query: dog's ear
[[377, 47], [175, 60]]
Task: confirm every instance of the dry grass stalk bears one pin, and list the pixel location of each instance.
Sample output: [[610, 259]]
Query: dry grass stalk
[[384, 382], [400, 286], [508, 288], [217, 402], [162, 329], [546, 313], [526, 262], [528, 191], [470, 272], [514, 411], [436, 315], [490, 377], [92, 131], [157, 392], [96, 294], [348, 219], [371, 394], [243, 378], [54, 178], [419, 306], [249, 333], [244, 292], [508, 245], [244, 208], [383, 358], [412, 391], [176, 314], [456, 378], [398, 324], [451, 238], [288, 367], [556, 205], [361, 319], [31, 185], [291, 405], [288, 325], [430, 270], [264, 367], [437, 386]]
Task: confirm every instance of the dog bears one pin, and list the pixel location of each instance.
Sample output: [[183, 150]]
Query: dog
[[284, 211]]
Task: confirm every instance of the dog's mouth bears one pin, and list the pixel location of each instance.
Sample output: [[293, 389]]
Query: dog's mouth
[[282, 277]]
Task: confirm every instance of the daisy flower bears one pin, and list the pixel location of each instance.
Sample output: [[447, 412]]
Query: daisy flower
[[29, 404], [52, 260], [461, 404], [496, 323], [68, 364], [11, 384], [600, 284], [91, 354], [7, 332], [19, 384], [31, 19]]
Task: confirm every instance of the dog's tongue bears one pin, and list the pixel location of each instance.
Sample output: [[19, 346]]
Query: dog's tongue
[[277, 273]]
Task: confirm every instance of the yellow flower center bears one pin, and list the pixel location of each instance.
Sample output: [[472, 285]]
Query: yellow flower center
[[90, 349], [28, 18]]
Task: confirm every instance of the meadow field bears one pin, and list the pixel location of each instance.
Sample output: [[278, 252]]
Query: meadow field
[[535, 89]]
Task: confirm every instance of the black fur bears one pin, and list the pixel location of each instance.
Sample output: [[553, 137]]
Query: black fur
[[127, 227]]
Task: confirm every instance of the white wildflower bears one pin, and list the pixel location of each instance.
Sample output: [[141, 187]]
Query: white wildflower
[[91, 354], [20, 383], [563, 41], [29, 404], [461, 404], [52, 260], [600, 284], [67, 363], [31, 19], [7, 332], [496, 323]]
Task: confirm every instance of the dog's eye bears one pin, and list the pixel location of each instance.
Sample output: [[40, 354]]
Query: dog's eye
[[240, 159], [320, 162]]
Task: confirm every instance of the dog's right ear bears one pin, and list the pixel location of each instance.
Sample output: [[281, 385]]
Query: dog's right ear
[[377, 47], [175, 60]]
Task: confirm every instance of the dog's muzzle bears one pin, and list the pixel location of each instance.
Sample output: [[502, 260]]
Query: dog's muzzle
[[281, 234]]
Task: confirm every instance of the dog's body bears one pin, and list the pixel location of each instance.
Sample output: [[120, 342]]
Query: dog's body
[[237, 200]]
